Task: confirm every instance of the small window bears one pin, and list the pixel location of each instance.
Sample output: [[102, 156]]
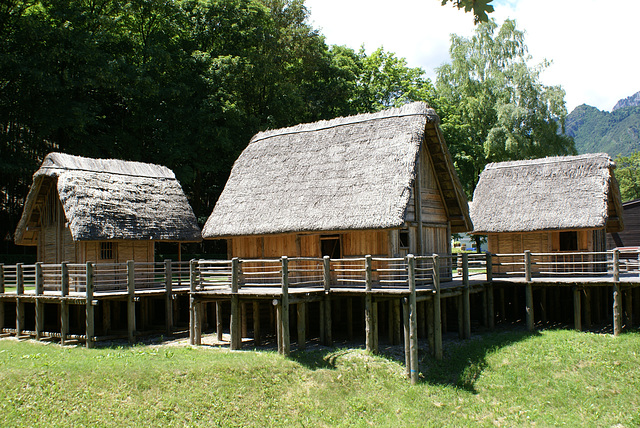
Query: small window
[[569, 241], [330, 246], [106, 251], [404, 238]]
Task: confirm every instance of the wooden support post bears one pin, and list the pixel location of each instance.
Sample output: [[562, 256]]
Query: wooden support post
[[256, 323], [407, 336], [430, 329], [19, 303], [131, 303], [285, 306], [219, 321], [529, 306], [375, 326], [326, 306], [587, 308], [437, 319], [489, 266], [244, 329], [628, 308], [302, 318], [577, 309], [64, 307], [413, 319], [543, 305], [234, 324], [195, 315], [490, 306], [89, 312], [168, 297], [466, 304], [617, 295], [39, 303], [369, 317]]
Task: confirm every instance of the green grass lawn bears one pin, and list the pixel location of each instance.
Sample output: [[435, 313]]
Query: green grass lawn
[[507, 378]]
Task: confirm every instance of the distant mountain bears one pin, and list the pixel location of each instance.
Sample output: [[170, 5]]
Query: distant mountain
[[632, 101], [615, 133]]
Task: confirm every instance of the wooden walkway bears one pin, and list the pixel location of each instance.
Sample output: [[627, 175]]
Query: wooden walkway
[[407, 297]]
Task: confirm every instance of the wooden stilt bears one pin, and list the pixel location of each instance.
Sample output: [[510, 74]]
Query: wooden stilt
[[465, 300], [285, 307], [39, 303], [407, 339], [617, 295], [529, 306], [168, 297], [543, 305], [131, 304], [64, 307], [369, 317], [437, 341], [577, 309], [326, 303], [413, 319], [587, 308], [302, 321], [219, 327], [234, 327], [375, 327], [89, 310], [490, 306], [256, 323], [243, 320], [280, 339]]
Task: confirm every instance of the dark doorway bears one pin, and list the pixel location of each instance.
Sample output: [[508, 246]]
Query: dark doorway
[[568, 241]]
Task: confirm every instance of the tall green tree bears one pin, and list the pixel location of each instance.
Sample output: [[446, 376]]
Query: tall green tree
[[628, 175], [493, 105]]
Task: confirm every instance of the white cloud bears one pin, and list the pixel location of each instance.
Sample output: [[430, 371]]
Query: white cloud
[[591, 42]]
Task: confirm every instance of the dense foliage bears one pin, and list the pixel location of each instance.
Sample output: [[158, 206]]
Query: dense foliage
[[628, 176], [186, 83], [595, 131]]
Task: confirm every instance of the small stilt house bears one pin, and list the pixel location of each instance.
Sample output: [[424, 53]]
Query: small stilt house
[[381, 184], [550, 205], [103, 210]]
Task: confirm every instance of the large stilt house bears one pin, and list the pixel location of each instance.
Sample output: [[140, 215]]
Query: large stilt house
[[103, 210], [381, 184], [551, 205]]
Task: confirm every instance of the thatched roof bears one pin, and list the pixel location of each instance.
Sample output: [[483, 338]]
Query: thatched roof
[[106, 199], [352, 173], [555, 193]]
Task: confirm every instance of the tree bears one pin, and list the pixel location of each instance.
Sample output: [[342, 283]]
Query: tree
[[493, 105], [480, 8], [628, 175]]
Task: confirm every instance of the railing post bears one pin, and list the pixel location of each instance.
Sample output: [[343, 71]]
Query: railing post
[[131, 303], [19, 302], [285, 306], [90, 318], [437, 314], [413, 319], [527, 265], [466, 304], [369, 317], [617, 295], [64, 307], [326, 264], [234, 323], [168, 298], [489, 266]]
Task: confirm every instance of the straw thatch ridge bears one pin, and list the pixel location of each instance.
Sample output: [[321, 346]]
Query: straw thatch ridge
[[352, 173], [107, 199], [555, 193]]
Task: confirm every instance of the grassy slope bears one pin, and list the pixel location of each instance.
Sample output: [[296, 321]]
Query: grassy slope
[[504, 379]]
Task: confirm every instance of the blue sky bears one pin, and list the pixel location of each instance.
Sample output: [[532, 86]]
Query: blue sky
[[593, 43]]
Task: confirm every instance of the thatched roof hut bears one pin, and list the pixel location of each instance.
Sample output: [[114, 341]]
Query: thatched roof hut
[[345, 174], [555, 193], [104, 200]]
